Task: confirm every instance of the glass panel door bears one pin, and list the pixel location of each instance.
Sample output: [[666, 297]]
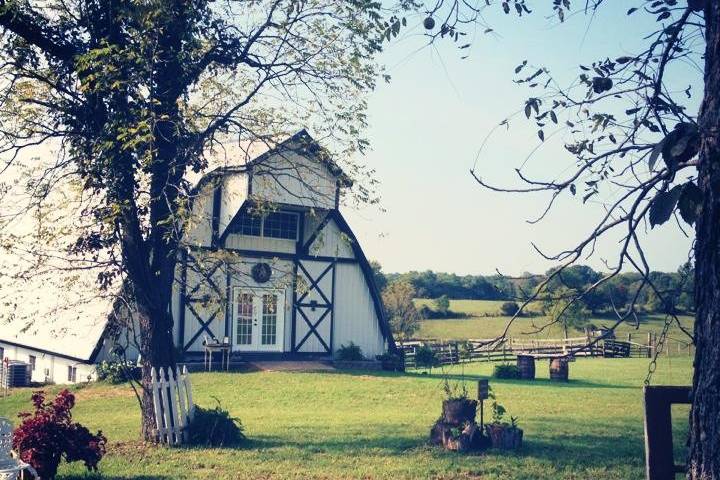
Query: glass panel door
[[259, 320]]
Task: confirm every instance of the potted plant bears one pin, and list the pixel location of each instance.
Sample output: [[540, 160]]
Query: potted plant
[[503, 434], [456, 428], [457, 407], [48, 435]]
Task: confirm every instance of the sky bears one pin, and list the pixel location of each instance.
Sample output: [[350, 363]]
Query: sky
[[426, 127]]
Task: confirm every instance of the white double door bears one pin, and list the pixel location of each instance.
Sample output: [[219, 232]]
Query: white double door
[[258, 320]]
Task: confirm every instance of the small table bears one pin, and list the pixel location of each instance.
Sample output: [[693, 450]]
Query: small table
[[223, 348]]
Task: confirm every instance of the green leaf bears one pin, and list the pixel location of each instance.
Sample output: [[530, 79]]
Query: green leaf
[[690, 203], [663, 205]]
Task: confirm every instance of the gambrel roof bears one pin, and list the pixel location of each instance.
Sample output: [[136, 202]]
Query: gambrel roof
[[56, 314]]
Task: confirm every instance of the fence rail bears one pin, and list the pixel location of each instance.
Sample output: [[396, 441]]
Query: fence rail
[[492, 350]]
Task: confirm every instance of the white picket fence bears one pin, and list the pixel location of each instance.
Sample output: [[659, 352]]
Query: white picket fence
[[173, 403]]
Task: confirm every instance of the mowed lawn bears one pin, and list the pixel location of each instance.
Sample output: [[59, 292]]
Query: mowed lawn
[[479, 325], [375, 425]]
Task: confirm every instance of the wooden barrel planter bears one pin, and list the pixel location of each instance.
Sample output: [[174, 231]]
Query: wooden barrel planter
[[526, 367], [559, 369]]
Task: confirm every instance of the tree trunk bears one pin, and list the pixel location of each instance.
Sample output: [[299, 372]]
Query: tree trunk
[[157, 351], [704, 454]]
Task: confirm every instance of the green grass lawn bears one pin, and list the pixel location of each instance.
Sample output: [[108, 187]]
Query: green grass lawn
[[481, 326], [375, 425]]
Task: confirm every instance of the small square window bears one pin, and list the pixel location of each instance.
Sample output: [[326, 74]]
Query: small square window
[[32, 361], [250, 225], [281, 225]]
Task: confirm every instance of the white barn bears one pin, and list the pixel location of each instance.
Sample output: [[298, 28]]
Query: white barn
[[268, 262], [269, 237]]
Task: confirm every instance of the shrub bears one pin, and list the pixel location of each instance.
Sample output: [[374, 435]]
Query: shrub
[[506, 371], [442, 304], [117, 372], [214, 427], [425, 357], [392, 361], [349, 353], [48, 435], [509, 308]]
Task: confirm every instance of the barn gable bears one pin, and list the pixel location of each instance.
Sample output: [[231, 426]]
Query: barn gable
[[320, 293]]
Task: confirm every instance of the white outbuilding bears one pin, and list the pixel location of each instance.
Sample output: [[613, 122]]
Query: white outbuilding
[[268, 264], [269, 237]]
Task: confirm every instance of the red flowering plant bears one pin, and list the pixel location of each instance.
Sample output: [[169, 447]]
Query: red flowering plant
[[48, 435]]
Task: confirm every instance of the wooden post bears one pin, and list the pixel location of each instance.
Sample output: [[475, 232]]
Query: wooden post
[[156, 404], [659, 462]]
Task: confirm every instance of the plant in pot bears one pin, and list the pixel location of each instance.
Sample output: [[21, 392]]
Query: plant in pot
[[457, 407], [503, 434], [48, 435], [456, 428]]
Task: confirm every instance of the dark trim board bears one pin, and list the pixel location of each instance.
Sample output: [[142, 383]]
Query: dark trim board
[[278, 255], [56, 354], [313, 236], [217, 200]]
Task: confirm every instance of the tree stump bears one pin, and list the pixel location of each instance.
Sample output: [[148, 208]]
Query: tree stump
[[456, 429], [504, 436]]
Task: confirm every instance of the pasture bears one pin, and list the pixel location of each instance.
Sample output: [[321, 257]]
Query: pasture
[[374, 425], [485, 321]]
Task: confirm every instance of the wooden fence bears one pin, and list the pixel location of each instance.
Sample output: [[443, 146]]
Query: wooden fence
[[490, 350], [173, 404]]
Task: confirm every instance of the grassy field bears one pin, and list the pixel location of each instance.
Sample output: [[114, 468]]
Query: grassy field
[[375, 425], [481, 326]]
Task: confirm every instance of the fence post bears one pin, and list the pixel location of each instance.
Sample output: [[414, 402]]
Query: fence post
[[188, 389], [156, 404]]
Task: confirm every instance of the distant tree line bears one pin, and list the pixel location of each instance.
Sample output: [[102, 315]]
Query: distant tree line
[[615, 294]]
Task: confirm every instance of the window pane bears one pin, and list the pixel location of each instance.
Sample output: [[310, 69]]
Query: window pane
[[249, 224], [243, 325], [281, 225], [269, 320]]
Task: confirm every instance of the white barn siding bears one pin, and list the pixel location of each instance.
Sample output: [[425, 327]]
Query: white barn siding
[[355, 317], [289, 178], [261, 244], [199, 231], [313, 220], [234, 193], [331, 242], [48, 367]]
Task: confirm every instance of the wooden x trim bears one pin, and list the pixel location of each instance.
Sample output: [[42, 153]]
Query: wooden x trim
[[208, 277], [313, 329], [314, 284], [204, 325]]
